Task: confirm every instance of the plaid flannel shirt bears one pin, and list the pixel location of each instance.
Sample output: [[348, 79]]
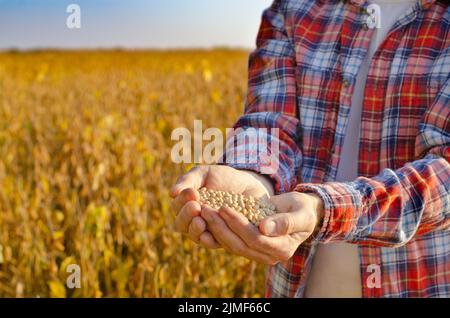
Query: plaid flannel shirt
[[301, 80]]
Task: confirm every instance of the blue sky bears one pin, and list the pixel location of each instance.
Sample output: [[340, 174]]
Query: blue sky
[[131, 23]]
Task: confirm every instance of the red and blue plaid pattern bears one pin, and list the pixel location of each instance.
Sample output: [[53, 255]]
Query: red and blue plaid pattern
[[301, 80]]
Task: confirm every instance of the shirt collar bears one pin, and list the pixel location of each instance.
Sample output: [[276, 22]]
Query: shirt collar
[[425, 4]]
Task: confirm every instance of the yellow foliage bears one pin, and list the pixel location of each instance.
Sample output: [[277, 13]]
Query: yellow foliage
[[216, 96], [57, 235], [207, 75], [57, 289], [85, 172]]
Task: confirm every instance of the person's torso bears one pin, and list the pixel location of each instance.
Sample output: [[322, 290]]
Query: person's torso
[[331, 40], [404, 77], [335, 271]]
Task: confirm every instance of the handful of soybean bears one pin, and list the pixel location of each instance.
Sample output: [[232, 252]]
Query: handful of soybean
[[254, 209]]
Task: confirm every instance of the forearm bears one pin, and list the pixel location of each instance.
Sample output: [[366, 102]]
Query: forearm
[[389, 209], [397, 205], [273, 152], [271, 107]]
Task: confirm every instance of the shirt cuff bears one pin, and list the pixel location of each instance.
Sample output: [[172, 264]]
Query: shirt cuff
[[342, 209], [275, 165], [282, 180]]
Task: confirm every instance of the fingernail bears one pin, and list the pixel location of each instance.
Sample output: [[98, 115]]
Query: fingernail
[[270, 228]]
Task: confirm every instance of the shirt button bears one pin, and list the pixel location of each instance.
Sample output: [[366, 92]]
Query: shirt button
[[345, 83]]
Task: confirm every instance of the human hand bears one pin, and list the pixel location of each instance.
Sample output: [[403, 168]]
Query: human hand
[[186, 204], [278, 236]]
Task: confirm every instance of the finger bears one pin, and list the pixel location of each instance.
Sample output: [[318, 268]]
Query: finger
[[277, 247], [208, 241], [196, 228], [230, 241], [287, 223], [195, 178], [250, 234], [185, 196], [184, 218]]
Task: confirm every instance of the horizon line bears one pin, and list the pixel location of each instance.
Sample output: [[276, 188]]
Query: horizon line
[[126, 48]]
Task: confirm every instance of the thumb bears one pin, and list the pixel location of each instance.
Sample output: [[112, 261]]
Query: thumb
[[282, 224], [195, 178]]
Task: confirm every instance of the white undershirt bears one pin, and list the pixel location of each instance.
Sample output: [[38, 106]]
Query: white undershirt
[[391, 10], [336, 269]]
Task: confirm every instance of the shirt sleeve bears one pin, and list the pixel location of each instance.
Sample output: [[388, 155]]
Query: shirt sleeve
[[271, 107], [395, 206]]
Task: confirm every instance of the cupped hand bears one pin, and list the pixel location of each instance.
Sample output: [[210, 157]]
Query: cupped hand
[[278, 236], [186, 204]]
